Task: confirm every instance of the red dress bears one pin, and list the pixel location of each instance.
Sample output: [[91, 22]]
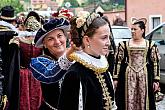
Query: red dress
[[30, 88]]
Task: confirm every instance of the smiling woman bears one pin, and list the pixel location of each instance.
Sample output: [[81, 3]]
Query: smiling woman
[[50, 67], [55, 42]]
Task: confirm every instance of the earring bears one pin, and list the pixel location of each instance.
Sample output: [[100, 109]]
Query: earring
[[88, 46]]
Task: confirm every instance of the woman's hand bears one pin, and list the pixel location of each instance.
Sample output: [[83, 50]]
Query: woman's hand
[[14, 40], [115, 82], [72, 49], [156, 86]]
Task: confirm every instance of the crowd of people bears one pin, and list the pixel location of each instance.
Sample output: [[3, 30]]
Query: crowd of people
[[70, 62]]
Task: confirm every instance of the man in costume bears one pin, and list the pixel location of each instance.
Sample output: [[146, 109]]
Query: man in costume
[[9, 59]]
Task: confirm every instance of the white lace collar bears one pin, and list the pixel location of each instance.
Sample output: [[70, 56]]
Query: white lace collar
[[12, 27], [97, 65]]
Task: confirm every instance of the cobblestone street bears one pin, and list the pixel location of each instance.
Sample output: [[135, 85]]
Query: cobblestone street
[[161, 105]]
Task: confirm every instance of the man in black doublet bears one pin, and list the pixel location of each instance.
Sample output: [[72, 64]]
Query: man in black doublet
[[9, 58]]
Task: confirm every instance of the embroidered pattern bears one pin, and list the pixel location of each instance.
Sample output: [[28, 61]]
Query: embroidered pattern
[[84, 19], [98, 66], [81, 18], [64, 63], [89, 64], [106, 94]]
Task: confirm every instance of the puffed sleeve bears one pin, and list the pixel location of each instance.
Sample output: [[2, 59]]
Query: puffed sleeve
[[48, 70], [155, 58], [119, 58]]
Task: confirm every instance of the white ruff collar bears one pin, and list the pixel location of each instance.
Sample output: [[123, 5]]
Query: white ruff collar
[[6, 24], [97, 65]]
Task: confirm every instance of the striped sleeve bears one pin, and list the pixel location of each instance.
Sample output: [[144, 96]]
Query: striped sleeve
[[46, 70]]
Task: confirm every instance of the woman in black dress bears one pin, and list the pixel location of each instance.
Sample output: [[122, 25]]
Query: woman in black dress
[[50, 67], [87, 84]]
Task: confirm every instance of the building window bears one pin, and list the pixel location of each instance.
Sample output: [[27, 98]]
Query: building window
[[154, 20]]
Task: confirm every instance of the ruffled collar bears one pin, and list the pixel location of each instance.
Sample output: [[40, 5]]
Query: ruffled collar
[[97, 65], [26, 33], [12, 27]]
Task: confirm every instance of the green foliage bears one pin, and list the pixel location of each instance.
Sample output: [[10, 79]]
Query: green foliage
[[93, 1], [15, 3], [110, 7], [107, 6], [73, 3], [27, 1]]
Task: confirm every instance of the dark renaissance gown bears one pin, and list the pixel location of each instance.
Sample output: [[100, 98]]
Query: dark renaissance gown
[[30, 88], [136, 69], [87, 85], [10, 65]]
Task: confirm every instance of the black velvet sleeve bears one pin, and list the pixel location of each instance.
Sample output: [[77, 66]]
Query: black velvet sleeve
[[69, 97]]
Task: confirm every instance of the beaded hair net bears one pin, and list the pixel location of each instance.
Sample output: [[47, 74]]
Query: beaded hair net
[[84, 19], [32, 21]]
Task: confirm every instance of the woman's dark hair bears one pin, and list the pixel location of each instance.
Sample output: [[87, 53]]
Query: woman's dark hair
[[76, 33], [142, 26]]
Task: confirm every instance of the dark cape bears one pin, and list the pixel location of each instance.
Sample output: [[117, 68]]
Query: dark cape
[[94, 85], [10, 67]]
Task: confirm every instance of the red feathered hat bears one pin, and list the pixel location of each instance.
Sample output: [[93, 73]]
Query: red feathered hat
[[63, 12]]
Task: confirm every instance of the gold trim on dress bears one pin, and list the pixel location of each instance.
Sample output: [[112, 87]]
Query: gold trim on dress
[[144, 67], [97, 70], [99, 76], [4, 28], [4, 101], [120, 58], [106, 94]]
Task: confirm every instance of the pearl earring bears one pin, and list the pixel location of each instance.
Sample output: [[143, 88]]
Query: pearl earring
[[88, 46]]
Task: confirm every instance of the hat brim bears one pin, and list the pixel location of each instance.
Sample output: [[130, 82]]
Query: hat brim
[[8, 18], [39, 43]]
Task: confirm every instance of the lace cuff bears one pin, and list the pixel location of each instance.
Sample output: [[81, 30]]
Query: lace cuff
[[114, 107], [64, 63]]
